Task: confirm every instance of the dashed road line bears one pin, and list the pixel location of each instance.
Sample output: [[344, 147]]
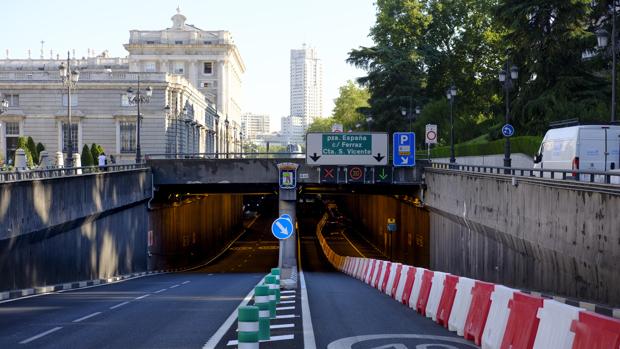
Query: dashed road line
[[285, 308], [287, 297], [142, 297], [160, 291], [118, 305], [185, 282], [174, 286], [287, 302], [87, 317], [274, 327], [287, 316], [287, 292], [43, 334]]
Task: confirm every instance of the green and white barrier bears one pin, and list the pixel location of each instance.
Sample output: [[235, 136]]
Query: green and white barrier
[[261, 300], [270, 281], [248, 327], [276, 272]]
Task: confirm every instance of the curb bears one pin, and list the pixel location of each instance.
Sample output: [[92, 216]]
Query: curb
[[67, 286]]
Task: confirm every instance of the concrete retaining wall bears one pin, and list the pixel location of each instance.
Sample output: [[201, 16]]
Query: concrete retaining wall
[[410, 244], [194, 231], [70, 229], [555, 237], [518, 160]]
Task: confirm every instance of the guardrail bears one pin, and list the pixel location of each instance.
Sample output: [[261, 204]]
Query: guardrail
[[609, 177], [223, 156], [14, 176]]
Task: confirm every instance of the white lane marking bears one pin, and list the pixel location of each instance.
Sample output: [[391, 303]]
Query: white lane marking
[[185, 282], [173, 286], [287, 292], [285, 308], [119, 305], [287, 297], [143, 296], [306, 320], [210, 274], [282, 326], [219, 334], [272, 339], [160, 291], [287, 302], [349, 342], [43, 334], [287, 316], [87, 317]]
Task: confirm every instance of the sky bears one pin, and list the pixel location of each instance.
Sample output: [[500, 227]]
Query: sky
[[264, 31]]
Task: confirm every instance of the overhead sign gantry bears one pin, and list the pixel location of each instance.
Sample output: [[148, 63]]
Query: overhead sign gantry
[[366, 149]]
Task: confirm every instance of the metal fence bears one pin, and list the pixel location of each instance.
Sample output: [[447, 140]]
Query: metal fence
[[223, 156], [24, 175], [609, 177]]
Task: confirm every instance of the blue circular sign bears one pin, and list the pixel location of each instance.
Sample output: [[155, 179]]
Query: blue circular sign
[[508, 130], [282, 228], [286, 217]]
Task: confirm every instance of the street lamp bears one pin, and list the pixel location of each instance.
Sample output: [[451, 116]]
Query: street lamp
[[369, 121], [507, 78], [451, 94], [217, 135], [602, 38], [136, 98], [69, 81]]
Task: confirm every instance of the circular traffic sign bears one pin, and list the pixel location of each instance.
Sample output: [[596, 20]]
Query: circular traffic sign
[[282, 228], [431, 135], [356, 173], [508, 130], [286, 216]]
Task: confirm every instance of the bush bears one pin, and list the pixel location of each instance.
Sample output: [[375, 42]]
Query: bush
[[40, 148], [22, 143], [87, 157], [33, 150], [526, 144], [96, 150]]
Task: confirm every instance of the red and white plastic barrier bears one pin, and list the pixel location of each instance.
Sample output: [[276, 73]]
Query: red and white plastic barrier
[[493, 316]]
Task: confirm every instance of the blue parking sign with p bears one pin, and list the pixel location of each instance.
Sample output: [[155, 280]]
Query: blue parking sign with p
[[404, 149]]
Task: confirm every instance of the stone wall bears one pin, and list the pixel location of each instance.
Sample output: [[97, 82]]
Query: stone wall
[[549, 236]]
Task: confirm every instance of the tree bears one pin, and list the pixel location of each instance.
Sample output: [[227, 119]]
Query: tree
[[32, 148], [40, 148], [96, 150], [321, 125], [87, 157], [348, 104], [22, 143]]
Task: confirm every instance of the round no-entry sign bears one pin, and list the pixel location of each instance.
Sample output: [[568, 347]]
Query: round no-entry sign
[[431, 134]]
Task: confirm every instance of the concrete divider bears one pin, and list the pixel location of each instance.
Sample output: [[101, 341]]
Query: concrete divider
[[462, 300], [493, 316], [555, 323], [435, 295], [417, 285]]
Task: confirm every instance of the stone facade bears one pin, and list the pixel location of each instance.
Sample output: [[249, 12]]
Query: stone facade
[[190, 111]]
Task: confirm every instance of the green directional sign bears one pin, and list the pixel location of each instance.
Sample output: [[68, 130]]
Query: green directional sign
[[347, 144], [362, 148], [383, 174]]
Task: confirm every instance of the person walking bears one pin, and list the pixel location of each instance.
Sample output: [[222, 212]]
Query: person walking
[[102, 161]]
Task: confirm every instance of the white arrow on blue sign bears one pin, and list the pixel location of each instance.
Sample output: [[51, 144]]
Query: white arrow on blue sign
[[404, 149], [282, 228], [508, 130]]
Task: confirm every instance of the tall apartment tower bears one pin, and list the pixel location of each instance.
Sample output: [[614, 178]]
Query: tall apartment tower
[[306, 84]]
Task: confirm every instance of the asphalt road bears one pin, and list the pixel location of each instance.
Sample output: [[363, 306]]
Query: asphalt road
[[347, 313], [179, 310]]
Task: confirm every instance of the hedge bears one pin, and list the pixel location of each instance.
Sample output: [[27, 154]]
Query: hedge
[[526, 144]]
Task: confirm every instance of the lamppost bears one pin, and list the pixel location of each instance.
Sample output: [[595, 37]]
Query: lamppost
[[69, 81], [507, 77], [409, 114], [217, 135], [451, 94], [226, 124], [602, 37], [241, 142], [137, 98]]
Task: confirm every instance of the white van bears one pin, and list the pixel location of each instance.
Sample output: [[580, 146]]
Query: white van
[[580, 148]]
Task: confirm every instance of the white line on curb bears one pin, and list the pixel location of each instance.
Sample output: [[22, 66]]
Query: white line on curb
[[87, 317], [26, 341], [309, 342]]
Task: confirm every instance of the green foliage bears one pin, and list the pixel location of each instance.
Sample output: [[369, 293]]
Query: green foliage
[[33, 150], [40, 148], [22, 143], [95, 151], [421, 47], [87, 157], [347, 107], [526, 144], [322, 125]]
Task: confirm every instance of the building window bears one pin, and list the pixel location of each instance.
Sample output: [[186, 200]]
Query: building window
[[206, 85], [207, 68], [11, 133], [150, 42], [74, 100], [178, 42], [13, 100], [128, 136], [125, 100], [65, 137], [150, 67], [179, 67], [208, 42]]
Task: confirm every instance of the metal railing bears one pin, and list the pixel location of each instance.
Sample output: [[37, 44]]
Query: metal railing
[[609, 177], [25, 175], [224, 156]]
